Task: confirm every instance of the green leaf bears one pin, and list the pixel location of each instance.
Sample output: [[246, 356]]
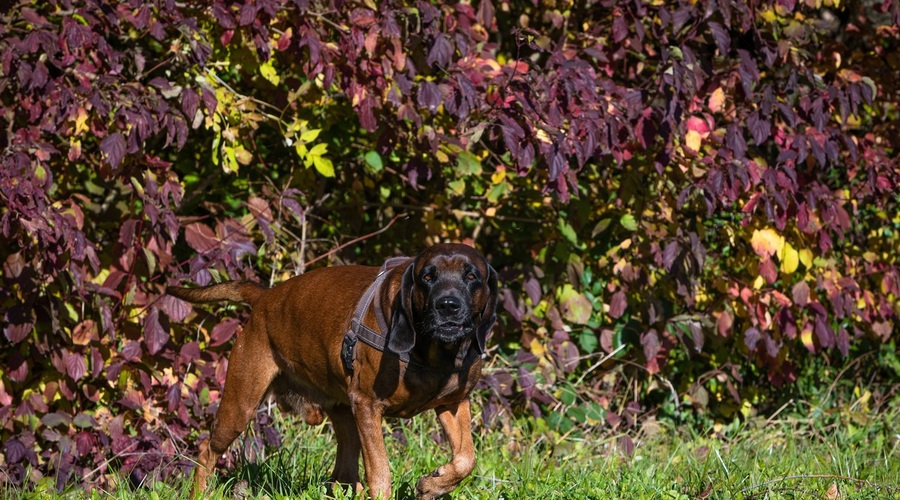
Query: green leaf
[[458, 186], [588, 341], [628, 222], [576, 308], [568, 232], [601, 227], [373, 161], [468, 164], [497, 191]]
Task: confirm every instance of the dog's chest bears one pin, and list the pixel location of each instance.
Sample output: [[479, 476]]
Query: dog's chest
[[423, 390]]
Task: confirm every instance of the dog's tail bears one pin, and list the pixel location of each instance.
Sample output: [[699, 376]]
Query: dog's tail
[[234, 291]]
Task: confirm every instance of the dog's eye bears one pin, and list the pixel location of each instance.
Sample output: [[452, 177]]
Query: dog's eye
[[471, 277], [428, 278]]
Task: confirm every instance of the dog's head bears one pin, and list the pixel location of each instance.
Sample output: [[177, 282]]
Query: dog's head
[[448, 293]]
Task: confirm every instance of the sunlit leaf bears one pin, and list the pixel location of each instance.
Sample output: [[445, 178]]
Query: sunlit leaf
[[766, 242], [373, 161]]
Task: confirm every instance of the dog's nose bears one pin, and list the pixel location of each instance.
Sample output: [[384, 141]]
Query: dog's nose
[[448, 305]]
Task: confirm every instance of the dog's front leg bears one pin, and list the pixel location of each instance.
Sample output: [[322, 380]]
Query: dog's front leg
[[368, 415], [456, 419]]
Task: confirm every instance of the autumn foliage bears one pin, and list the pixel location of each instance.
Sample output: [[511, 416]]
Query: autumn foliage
[[695, 200]]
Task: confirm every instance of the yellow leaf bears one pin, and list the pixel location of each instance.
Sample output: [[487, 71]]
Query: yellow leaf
[[759, 282], [693, 139], [310, 135], [537, 348], [81, 122], [498, 176], [790, 259], [806, 336], [324, 166], [267, 70], [716, 100], [766, 242], [806, 257], [319, 149]]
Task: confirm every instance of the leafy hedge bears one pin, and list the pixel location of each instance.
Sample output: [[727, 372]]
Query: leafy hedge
[[689, 202]]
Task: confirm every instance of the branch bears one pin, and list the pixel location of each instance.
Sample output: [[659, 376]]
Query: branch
[[361, 238]]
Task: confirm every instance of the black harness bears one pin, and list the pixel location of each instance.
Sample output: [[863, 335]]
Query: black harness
[[360, 331]]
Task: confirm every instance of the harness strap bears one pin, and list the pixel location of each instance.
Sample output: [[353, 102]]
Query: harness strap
[[360, 331]]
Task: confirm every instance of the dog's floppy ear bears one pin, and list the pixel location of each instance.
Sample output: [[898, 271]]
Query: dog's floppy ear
[[489, 314], [402, 336]]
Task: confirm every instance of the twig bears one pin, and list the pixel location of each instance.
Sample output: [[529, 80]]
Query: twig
[[107, 461], [357, 240], [772, 417], [596, 365]]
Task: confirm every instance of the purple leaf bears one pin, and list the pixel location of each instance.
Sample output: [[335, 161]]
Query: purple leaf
[[485, 14], [176, 309], [113, 149], [735, 141], [759, 129], [223, 331], [824, 333], [209, 100], [155, 336], [751, 338], [429, 96], [440, 52], [247, 13], [190, 101], [223, 15], [76, 366], [800, 293], [533, 289], [722, 37]]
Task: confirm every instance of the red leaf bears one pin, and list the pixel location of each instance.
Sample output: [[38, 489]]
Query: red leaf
[[800, 292], [768, 270], [200, 237], [223, 331], [652, 346], [724, 323], [618, 304], [626, 444], [607, 338], [155, 336]]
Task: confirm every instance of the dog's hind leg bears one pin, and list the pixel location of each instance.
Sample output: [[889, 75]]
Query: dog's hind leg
[[251, 368], [346, 467]]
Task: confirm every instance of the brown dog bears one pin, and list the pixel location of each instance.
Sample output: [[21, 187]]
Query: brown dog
[[300, 345]]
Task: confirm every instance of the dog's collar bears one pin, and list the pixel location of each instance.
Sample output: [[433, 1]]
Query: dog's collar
[[360, 331]]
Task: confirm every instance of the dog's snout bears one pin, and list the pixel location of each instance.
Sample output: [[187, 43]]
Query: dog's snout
[[448, 305]]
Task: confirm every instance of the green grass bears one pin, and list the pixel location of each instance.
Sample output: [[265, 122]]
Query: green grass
[[797, 457]]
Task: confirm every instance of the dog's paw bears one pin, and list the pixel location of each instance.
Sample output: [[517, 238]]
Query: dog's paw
[[433, 486]]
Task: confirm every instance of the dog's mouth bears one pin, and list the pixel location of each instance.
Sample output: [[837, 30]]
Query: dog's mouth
[[451, 331]]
